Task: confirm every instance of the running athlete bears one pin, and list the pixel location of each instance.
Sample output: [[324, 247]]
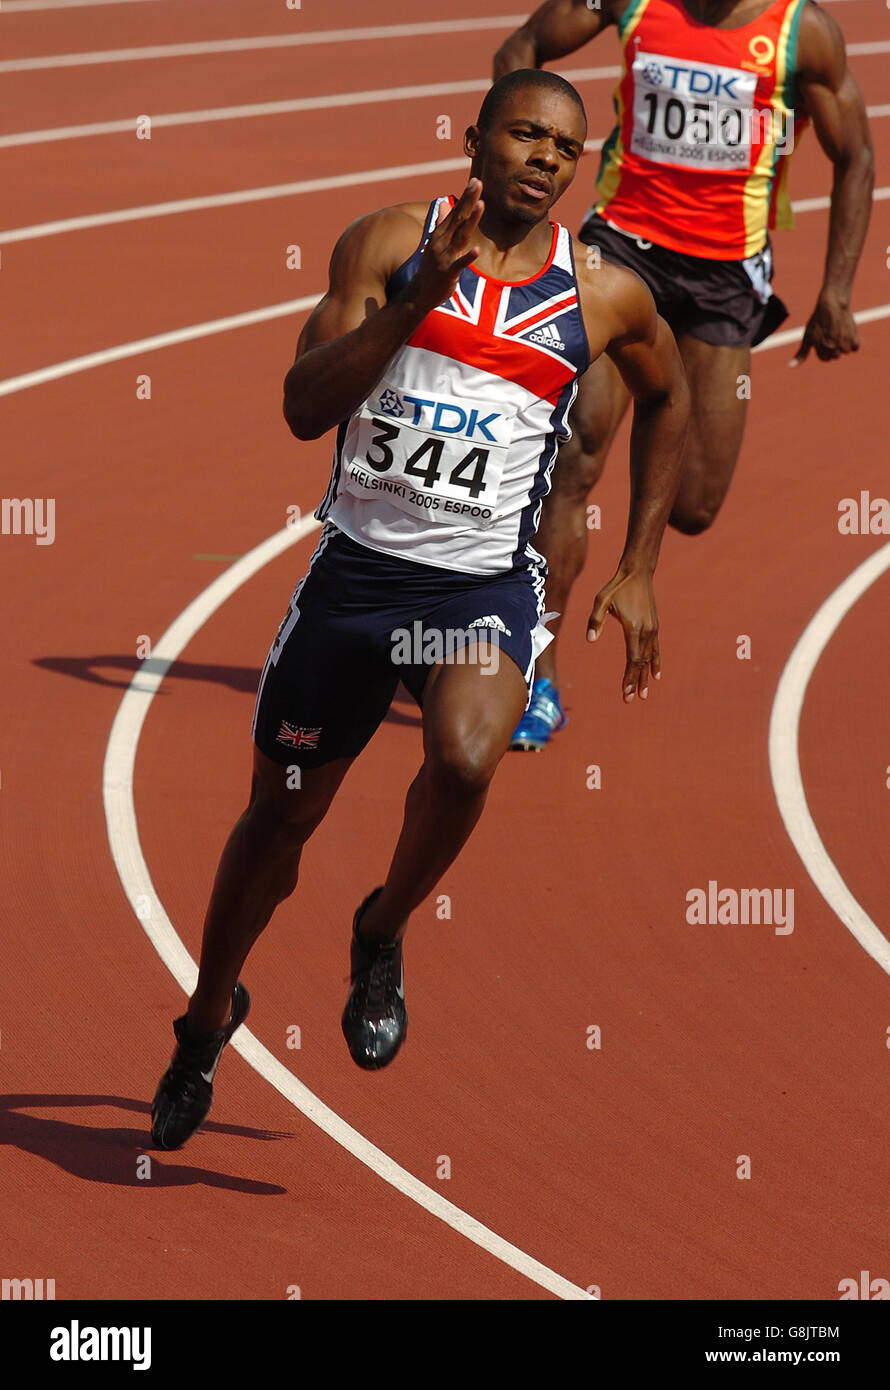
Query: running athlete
[[714, 94], [447, 352]]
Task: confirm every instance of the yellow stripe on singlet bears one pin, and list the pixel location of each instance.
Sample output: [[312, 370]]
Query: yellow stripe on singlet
[[609, 176], [759, 184]]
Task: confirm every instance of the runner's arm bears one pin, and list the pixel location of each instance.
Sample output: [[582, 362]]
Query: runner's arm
[[831, 98], [555, 29], [353, 333], [646, 355]]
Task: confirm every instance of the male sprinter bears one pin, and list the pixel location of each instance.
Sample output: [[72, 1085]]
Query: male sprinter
[[447, 352], [712, 97]]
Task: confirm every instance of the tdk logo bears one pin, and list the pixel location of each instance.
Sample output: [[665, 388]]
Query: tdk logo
[[694, 81], [443, 417]]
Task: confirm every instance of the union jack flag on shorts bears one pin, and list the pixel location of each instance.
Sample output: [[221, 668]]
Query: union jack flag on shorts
[[296, 737]]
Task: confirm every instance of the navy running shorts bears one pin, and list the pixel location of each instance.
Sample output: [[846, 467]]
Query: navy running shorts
[[359, 622], [727, 303]]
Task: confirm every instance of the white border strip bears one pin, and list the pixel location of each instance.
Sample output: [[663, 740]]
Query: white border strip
[[123, 836], [785, 764]]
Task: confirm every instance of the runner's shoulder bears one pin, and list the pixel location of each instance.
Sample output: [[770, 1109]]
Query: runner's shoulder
[[611, 290], [384, 239], [820, 44]]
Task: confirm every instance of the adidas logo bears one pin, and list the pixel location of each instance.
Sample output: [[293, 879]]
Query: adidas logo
[[548, 336], [491, 620]]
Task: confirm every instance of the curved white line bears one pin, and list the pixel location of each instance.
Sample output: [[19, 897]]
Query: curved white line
[[785, 764], [123, 836]]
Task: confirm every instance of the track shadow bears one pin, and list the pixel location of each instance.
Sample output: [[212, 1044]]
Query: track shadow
[[110, 1155], [244, 679]]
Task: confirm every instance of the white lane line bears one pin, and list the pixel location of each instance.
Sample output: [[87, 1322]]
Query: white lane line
[[821, 204], [159, 340], [140, 346], [794, 335], [290, 190], [259, 42], [381, 33], [290, 106], [23, 6], [235, 199], [126, 125], [126, 849], [784, 759]]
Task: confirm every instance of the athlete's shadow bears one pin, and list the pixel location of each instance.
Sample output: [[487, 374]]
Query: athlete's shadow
[[404, 709], [116, 1155], [244, 679]]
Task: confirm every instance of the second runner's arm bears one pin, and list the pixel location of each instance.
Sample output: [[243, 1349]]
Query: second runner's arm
[[646, 355], [834, 103], [352, 334], [555, 29]]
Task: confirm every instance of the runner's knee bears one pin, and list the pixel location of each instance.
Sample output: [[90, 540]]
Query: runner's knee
[[691, 521], [578, 466], [461, 766]]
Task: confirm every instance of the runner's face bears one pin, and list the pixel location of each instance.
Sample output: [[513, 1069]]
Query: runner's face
[[528, 156]]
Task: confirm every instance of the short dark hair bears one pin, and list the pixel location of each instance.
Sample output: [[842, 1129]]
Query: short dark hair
[[522, 78]]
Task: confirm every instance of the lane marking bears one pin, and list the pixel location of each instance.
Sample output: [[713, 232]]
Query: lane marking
[[73, 365], [21, 6], [784, 757], [159, 340], [168, 119], [270, 192], [126, 125], [126, 849], [259, 42], [824, 202], [794, 335], [224, 200]]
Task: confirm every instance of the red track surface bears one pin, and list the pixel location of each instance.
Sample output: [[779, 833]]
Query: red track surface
[[616, 1167]]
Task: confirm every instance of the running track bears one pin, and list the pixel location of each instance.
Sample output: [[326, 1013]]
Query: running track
[[611, 1170]]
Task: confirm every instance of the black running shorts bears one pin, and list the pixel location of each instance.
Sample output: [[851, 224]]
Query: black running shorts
[[359, 622], [728, 303]]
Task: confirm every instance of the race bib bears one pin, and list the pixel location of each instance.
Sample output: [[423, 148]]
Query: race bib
[[436, 457], [699, 116]]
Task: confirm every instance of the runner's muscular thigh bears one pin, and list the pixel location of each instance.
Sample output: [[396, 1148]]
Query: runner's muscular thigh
[[469, 714]]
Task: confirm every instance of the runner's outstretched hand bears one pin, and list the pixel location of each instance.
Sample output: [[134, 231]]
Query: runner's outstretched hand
[[450, 249], [831, 331], [629, 597]]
